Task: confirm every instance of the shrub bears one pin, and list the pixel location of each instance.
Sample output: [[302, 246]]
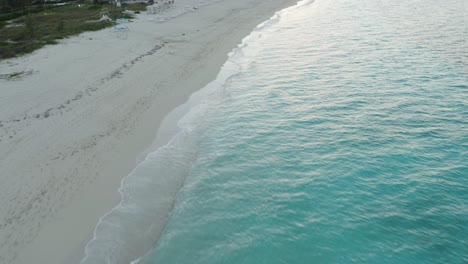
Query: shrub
[[30, 27], [60, 26], [10, 16], [95, 7]]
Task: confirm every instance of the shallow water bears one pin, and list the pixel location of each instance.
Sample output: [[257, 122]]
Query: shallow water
[[343, 138]]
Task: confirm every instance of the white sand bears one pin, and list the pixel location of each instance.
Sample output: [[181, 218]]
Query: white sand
[[74, 125]]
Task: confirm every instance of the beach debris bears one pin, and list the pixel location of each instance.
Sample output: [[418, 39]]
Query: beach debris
[[123, 20], [120, 28], [104, 12], [105, 18], [121, 31]]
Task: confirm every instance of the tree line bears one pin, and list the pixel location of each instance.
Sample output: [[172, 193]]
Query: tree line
[[18, 5], [12, 5]]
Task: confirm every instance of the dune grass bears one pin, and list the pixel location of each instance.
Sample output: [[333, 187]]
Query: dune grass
[[135, 7], [28, 33]]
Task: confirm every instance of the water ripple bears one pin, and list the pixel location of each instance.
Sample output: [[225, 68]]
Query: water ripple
[[345, 140]]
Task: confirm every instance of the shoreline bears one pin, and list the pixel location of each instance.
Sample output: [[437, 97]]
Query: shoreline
[[101, 113]]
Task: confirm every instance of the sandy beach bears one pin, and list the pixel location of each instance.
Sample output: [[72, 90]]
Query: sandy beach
[[84, 111]]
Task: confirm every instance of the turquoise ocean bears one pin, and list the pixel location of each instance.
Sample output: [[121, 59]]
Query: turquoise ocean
[[336, 133]]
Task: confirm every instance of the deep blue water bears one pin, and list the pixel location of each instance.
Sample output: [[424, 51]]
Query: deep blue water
[[337, 133]]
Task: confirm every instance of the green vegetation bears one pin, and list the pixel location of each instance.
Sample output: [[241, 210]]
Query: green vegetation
[[26, 33], [135, 7], [14, 75]]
